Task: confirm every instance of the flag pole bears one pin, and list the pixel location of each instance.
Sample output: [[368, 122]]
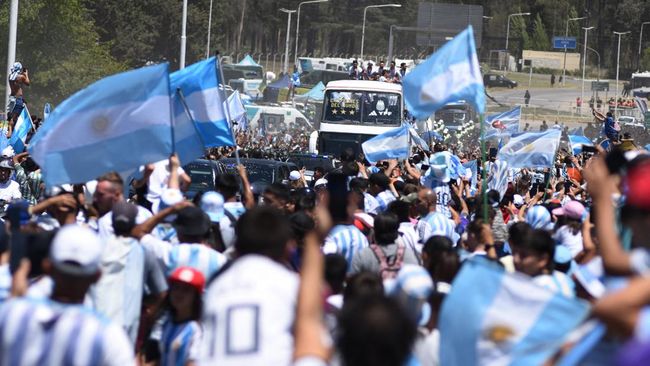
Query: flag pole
[[224, 97], [483, 168]]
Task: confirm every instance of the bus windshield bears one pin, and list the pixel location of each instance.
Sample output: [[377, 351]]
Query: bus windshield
[[362, 108]]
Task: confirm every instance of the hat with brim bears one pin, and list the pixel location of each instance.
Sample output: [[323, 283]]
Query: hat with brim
[[192, 221]]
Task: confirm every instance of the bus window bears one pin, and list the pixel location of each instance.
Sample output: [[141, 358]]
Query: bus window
[[382, 108], [273, 123], [343, 106]]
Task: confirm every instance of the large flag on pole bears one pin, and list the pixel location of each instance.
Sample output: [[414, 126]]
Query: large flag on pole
[[393, 144], [23, 125], [448, 75], [115, 124], [531, 149], [503, 124], [506, 320], [199, 84]]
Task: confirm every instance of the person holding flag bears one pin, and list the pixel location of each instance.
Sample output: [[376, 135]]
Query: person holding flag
[[18, 77]]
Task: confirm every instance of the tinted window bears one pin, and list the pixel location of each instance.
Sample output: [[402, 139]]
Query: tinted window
[[368, 108]]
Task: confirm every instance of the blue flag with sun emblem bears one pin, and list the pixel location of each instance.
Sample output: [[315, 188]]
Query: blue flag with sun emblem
[[506, 320], [115, 124], [503, 124]]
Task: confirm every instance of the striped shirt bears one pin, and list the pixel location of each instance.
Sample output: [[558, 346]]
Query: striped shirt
[[410, 236], [557, 282], [198, 256], [180, 343], [384, 198], [345, 240], [43, 332], [370, 204], [436, 223], [5, 283]]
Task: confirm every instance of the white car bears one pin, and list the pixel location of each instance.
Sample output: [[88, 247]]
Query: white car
[[629, 121]]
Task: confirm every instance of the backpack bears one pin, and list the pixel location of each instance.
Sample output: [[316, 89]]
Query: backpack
[[388, 270]]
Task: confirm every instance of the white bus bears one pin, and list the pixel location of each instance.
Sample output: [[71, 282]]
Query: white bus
[[355, 111]]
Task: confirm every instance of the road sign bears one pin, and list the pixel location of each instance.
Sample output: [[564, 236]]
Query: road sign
[[565, 42], [599, 86]]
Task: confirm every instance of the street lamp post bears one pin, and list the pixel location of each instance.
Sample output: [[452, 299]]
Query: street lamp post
[[638, 60], [584, 67], [508, 28], [363, 27], [183, 35], [566, 34], [11, 49], [618, 60], [286, 46], [295, 57], [207, 47]]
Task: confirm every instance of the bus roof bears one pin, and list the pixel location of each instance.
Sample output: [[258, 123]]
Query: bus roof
[[364, 85]]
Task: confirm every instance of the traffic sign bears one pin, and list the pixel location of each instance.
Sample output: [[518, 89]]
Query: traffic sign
[[599, 86], [565, 42]]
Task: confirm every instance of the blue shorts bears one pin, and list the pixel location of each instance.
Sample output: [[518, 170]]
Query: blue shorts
[[16, 105]]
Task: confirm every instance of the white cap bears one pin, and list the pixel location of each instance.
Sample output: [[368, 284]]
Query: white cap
[[518, 200], [168, 197], [294, 175], [212, 204], [76, 250], [320, 182]]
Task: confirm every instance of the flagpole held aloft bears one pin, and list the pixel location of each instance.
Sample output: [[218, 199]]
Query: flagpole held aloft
[[483, 169], [224, 97], [181, 97]]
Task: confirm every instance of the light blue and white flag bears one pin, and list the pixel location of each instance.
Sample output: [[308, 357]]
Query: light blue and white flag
[[472, 165], [47, 109], [393, 144], [416, 140], [23, 125], [200, 85], [498, 178], [451, 74], [187, 140], [577, 141], [503, 124], [115, 124], [506, 320], [237, 111], [531, 149]]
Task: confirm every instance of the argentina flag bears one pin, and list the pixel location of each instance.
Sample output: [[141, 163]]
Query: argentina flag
[[393, 144], [237, 110], [23, 125], [507, 320], [451, 74], [115, 124], [503, 124], [199, 83], [531, 149], [577, 141]]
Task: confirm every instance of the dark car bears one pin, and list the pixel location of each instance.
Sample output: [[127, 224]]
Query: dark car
[[261, 172], [311, 161], [491, 80], [203, 173]]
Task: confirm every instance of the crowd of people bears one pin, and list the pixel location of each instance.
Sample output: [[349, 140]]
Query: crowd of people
[[382, 73], [351, 269]]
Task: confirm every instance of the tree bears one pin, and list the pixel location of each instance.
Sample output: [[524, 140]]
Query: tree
[[539, 40], [58, 42]]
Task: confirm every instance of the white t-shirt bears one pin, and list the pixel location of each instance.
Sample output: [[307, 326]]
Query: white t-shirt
[[566, 237], [248, 314], [159, 181], [10, 190]]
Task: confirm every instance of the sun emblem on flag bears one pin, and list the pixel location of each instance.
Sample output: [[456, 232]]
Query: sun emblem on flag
[[100, 124], [499, 333]]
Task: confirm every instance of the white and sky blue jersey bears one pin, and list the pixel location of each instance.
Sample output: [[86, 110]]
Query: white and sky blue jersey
[[43, 332], [180, 343], [345, 240]]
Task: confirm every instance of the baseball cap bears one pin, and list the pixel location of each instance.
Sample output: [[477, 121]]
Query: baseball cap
[[212, 204], [410, 198], [6, 164], [294, 175], [192, 221], [124, 214], [638, 189], [320, 183], [572, 209], [189, 276], [168, 198], [412, 288], [518, 200], [76, 250]]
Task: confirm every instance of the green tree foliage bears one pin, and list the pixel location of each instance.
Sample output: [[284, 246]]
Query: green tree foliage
[[539, 40], [58, 42]]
